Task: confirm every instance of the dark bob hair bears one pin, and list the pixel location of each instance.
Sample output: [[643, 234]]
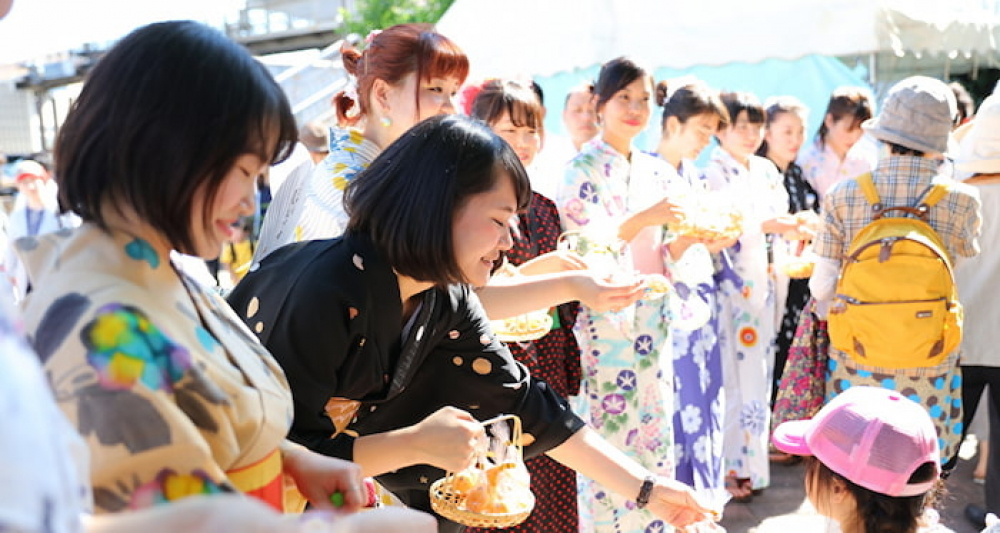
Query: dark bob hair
[[738, 102], [615, 75], [167, 111], [689, 100], [405, 201]]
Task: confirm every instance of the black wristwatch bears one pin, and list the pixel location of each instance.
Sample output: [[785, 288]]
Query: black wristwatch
[[647, 487]]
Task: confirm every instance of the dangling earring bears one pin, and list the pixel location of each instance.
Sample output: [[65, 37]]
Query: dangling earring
[[386, 122]]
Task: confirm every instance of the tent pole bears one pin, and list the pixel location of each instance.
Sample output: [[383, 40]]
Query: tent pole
[[871, 69]]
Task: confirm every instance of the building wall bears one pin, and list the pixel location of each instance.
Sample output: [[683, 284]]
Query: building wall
[[19, 123]]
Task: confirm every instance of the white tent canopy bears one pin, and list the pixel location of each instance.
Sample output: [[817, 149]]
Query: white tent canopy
[[544, 37]]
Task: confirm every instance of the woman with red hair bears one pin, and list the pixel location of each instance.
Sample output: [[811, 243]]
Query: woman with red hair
[[405, 74]]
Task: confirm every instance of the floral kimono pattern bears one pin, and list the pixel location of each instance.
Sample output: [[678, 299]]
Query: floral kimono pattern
[[747, 320], [627, 389], [698, 398], [173, 394]]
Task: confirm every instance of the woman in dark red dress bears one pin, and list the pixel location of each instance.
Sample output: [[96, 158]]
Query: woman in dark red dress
[[514, 113]]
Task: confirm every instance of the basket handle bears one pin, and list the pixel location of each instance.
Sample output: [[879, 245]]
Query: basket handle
[[515, 435]]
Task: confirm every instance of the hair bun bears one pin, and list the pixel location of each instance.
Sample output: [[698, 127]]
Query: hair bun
[[662, 93]]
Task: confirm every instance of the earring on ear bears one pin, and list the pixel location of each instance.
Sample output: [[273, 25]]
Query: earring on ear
[[385, 121]]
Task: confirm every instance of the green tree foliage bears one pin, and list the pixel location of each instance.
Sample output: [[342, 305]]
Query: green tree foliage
[[380, 14]]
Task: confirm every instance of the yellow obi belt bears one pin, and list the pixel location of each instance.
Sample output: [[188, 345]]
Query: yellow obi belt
[[262, 480]]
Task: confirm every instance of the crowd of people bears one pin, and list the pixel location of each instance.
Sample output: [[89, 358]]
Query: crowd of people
[[367, 265]]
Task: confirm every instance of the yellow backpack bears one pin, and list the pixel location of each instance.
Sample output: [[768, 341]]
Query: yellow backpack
[[896, 304]]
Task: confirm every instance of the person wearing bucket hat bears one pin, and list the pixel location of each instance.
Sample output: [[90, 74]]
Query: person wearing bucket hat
[[978, 162], [914, 126], [918, 114], [874, 464]]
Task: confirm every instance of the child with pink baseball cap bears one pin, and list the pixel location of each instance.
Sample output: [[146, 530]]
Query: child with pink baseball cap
[[874, 461]]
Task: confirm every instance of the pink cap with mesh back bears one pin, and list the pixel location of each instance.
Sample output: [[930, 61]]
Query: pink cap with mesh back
[[874, 437]]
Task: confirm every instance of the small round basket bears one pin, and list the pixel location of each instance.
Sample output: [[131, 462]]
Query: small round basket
[[448, 504]]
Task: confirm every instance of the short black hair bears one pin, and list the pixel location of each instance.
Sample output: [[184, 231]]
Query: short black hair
[[615, 75], [738, 102], [167, 111], [406, 199]]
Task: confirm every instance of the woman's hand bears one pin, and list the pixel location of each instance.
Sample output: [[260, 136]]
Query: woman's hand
[[679, 245], [552, 262], [318, 477], [446, 439], [661, 213], [676, 503], [717, 245], [809, 221], [664, 212], [603, 295]]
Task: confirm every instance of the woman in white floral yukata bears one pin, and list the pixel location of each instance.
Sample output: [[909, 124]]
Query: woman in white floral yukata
[[626, 355], [747, 322]]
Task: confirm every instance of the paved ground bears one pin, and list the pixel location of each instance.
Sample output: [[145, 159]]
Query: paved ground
[[783, 507]]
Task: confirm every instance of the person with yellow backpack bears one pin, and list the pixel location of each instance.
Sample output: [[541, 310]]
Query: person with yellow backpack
[[886, 250]]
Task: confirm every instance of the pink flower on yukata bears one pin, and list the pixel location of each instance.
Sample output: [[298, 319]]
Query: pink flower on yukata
[[649, 434], [576, 212], [170, 486], [613, 404]]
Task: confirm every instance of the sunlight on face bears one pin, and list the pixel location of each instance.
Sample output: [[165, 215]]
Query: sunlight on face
[[525, 140], [213, 225], [481, 230]]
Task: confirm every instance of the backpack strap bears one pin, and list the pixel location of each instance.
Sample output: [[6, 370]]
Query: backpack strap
[[935, 193], [938, 189], [868, 189]]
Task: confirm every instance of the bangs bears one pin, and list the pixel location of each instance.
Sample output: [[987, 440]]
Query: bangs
[[439, 57], [274, 138], [755, 114], [737, 103], [269, 126], [525, 114]]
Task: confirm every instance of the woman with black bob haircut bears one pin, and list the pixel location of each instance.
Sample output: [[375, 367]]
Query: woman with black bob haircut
[[174, 396], [164, 134], [409, 217], [388, 352]]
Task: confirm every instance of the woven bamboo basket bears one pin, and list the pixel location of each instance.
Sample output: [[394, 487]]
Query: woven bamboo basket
[[448, 504]]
